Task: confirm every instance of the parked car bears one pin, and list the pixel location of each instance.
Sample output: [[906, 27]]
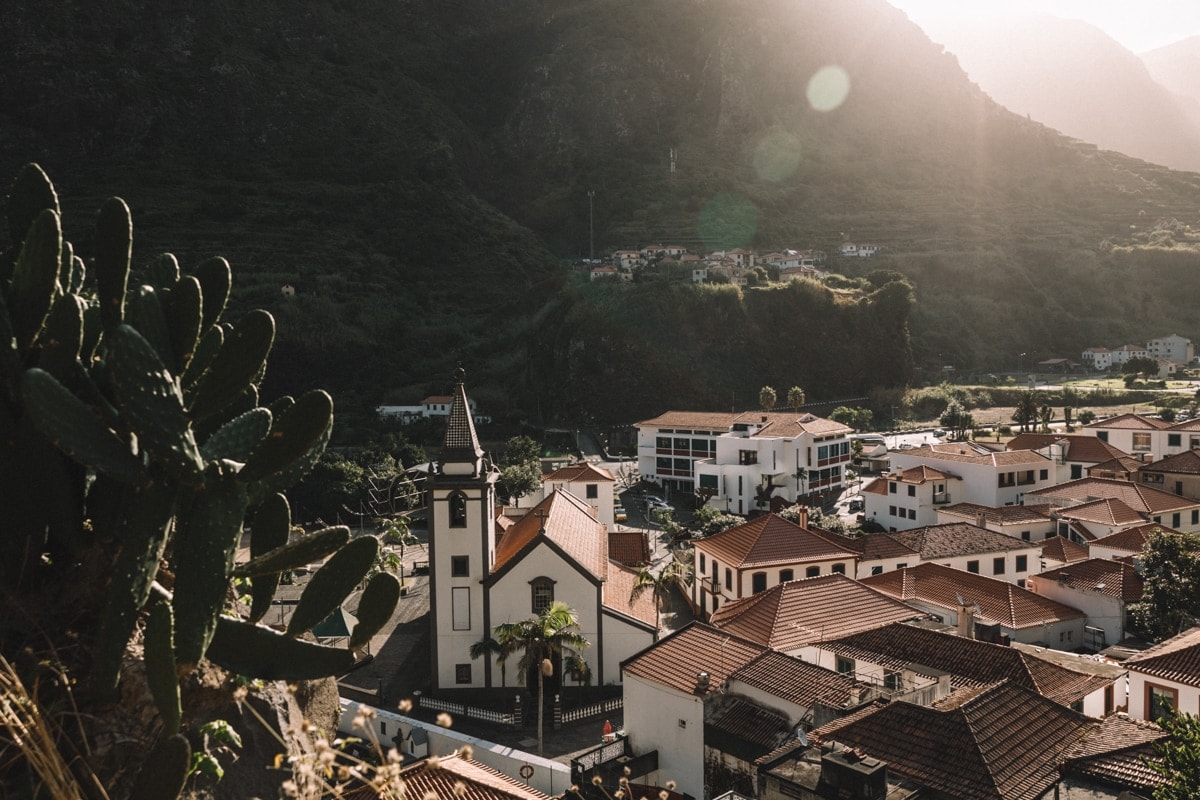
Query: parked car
[[619, 514], [654, 504], [856, 504]]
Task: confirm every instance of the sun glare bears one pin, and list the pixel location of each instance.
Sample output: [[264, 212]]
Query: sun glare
[[828, 87]]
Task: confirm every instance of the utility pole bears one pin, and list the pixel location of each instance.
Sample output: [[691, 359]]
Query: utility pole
[[591, 226]]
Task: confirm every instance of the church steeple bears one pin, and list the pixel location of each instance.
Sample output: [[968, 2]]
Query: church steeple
[[461, 453]]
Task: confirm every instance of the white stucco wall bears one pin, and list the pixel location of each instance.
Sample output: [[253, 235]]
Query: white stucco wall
[[671, 722], [1189, 696], [551, 777], [511, 599], [622, 639], [1102, 610]]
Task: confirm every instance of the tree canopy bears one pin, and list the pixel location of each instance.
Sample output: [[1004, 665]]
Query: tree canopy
[[1171, 600]]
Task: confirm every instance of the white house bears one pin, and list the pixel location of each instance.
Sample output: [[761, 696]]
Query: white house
[[988, 477], [743, 460], [1172, 348], [437, 405], [756, 555], [909, 498], [478, 580], [1072, 454], [1167, 674], [1142, 437], [1098, 358], [664, 689], [1128, 351], [1100, 588], [593, 485], [971, 548]]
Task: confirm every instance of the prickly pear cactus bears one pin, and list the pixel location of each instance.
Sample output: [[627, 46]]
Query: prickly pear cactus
[[131, 434]]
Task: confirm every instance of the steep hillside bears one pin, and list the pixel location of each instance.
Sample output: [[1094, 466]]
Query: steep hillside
[[417, 170], [1078, 80]]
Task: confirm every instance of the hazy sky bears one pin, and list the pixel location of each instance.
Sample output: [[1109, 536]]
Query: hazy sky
[[1140, 25]]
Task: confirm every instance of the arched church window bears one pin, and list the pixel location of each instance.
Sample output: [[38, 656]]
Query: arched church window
[[542, 592]]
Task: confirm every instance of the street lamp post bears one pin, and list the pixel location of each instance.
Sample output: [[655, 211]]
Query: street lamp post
[[591, 226]]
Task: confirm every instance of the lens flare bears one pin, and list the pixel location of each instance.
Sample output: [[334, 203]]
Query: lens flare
[[777, 155], [827, 89], [727, 221]]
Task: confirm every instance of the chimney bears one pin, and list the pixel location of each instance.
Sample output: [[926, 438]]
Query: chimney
[[966, 621], [764, 417], [850, 773], [802, 516], [980, 519]]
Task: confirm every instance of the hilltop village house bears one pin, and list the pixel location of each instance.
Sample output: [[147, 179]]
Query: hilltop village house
[[742, 461], [480, 578]]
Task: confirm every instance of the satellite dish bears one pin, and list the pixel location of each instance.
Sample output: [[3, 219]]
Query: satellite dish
[[958, 597]]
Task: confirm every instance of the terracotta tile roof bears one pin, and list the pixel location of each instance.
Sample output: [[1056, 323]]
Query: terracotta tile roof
[[1063, 550], [628, 547], [1122, 464], [1132, 540], [1116, 752], [1000, 743], [619, 587], [1185, 463], [957, 539], [706, 420], [796, 681], [1079, 447], [1003, 515], [971, 663], [1110, 578], [998, 601], [876, 486], [921, 474], [585, 471], [871, 546], [782, 424], [971, 453], [480, 782], [1138, 497], [768, 540], [739, 723], [1135, 422], [675, 660], [1110, 511], [1177, 659], [568, 522], [796, 613]]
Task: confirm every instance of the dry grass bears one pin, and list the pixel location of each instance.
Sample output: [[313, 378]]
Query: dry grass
[[27, 735]]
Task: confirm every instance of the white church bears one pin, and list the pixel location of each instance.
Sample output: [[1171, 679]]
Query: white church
[[481, 578]]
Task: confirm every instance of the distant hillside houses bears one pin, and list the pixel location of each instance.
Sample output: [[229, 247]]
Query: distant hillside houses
[[1167, 350], [853, 250], [436, 405], [723, 266]]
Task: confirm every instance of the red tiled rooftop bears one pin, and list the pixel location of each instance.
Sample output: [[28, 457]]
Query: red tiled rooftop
[[676, 660], [971, 663], [1133, 422], [1185, 463], [1109, 511], [1177, 659], [619, 588], [477, 781], [628, 547], [1081, 448], [585, 471], [971, 453], [568, 522], [766, 541], [1063, 550], [998, 601], [795, 681], [1000, 743], [957, 539], [1117, 752], [1132, 540], [797, 613], [1002, 515], [1141, 498]]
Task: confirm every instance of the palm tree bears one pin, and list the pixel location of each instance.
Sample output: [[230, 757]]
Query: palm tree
[[767, 398], [540, 640], [488, 646], [659, 584], [795, 397]]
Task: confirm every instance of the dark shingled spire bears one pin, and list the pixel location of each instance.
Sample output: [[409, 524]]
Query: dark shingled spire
[[461, 443]]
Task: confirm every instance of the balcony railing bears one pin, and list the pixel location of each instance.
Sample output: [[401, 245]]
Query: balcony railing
[[941, 498]]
